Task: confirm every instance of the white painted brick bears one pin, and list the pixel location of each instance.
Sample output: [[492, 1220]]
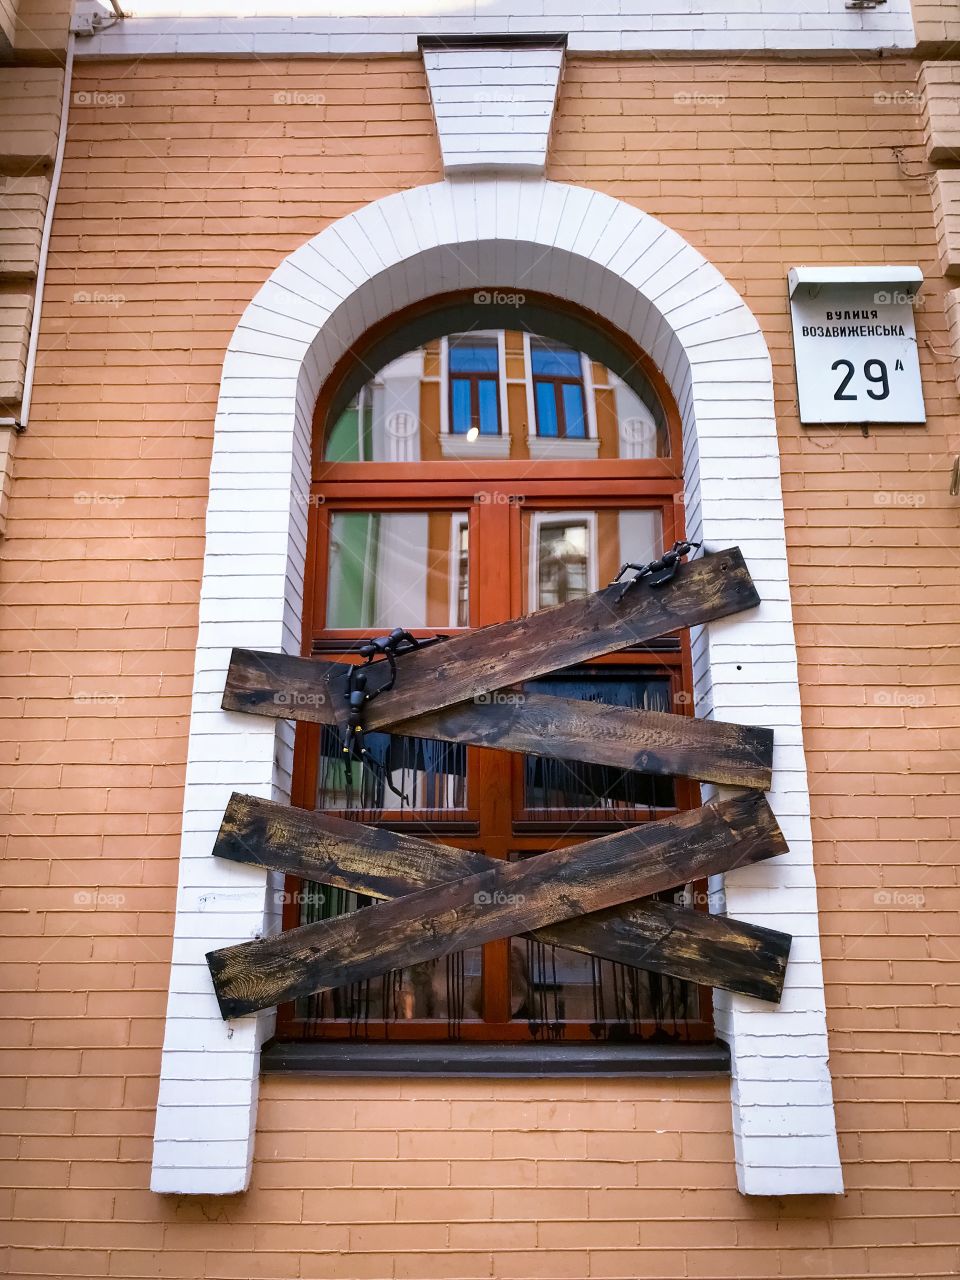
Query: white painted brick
[[715, 357]]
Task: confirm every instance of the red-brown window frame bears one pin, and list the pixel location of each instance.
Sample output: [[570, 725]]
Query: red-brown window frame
[[449, 484]]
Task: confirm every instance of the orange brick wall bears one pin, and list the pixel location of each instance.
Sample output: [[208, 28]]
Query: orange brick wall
[[175, 204]]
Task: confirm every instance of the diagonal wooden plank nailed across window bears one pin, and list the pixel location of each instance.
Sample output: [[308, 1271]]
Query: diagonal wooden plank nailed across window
[[443, 900], [656, 742], [502, 900], [373, 861], [475, 662]]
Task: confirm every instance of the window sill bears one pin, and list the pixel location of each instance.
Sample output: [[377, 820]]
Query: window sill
[[561, 448], [344, 1058], [489, 446]]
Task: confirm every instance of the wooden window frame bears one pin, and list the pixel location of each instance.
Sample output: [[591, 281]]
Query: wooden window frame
[[453, 484]]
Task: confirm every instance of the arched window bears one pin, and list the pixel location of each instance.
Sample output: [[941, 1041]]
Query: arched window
[[477, 458]]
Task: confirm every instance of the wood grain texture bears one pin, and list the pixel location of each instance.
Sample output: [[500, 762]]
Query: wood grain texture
[[654, 742], [475, 662], [500, 901], [676, 941]]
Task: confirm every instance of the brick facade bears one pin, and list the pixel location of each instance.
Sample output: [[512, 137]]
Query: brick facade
[[183, 188]]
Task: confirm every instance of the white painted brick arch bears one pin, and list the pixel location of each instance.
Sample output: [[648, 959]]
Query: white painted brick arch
[[612, 259]]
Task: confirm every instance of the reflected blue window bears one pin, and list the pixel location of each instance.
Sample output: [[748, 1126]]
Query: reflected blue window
[[573, 410], [555, 362], [546, 409], [460, 392], [487, 396], [473, 359]]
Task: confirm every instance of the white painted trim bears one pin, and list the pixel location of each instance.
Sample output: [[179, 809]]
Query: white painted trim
[[162, 28], [528, 379], [444, 388], [493, 108], [906, 279], [611, 259], [589, 396]]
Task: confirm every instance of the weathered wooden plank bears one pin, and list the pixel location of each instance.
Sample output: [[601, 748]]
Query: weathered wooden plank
[[653, 742], [476, 662], [651, 935], [504, 899], [279, 685]]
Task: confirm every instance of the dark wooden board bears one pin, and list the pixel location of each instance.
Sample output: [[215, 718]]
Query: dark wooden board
[[476, 662], [651, 935], [505, 899], [653, 742]]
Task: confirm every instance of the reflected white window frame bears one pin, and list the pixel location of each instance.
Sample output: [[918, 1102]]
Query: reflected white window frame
[[455, 446], [546, 447], [539, 519], [458, 522]]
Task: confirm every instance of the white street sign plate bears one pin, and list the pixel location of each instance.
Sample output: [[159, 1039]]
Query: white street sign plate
[[855, 347]]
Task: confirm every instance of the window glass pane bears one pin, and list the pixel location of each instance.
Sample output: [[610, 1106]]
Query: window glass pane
[[460, 391], [487, 391], [480, 358], [555, 362], [568, 554], [389, 569], [396, 415], [557, 784], [562, 563], [552, 987], [427, 773], [546, 400], [573, 410], [446, 990]]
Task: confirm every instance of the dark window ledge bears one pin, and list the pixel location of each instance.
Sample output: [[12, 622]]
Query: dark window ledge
[[348, 1058]]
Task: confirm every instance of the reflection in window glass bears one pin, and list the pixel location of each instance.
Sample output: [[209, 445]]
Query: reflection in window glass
[[446, 990], [552, 987], [428, 774], [567, 785], [504, 393], [558, 390], [569, 554], [575, 424], [396, 569], [563, 560], [474, 387]]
